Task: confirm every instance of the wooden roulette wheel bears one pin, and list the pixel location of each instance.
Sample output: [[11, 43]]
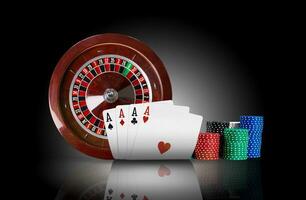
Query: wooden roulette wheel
[[98, 73]]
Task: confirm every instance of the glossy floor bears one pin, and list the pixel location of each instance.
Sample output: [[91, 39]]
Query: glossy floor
[[142, 180]]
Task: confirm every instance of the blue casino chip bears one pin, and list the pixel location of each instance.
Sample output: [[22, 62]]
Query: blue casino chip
[[255, 126]]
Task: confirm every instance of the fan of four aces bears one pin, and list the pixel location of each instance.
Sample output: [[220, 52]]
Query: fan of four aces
[[99, 73]]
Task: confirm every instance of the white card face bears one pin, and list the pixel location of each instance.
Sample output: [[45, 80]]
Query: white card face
[[135, 112], [122, 129], [161, 180], [111, 130], [171, 136], [154, 111]]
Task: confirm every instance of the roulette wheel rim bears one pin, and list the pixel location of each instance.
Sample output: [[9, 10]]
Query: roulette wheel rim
[[143, 64]]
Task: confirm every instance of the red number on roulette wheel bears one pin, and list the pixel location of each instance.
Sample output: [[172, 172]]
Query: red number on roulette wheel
[[99, 73]]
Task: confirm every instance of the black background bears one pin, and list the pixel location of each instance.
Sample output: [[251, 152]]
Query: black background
[[37, 38]]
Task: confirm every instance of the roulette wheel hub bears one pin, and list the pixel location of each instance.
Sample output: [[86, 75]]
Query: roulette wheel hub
[[98, 73], [110, 95]]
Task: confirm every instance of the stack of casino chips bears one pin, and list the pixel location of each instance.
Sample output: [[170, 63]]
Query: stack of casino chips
[[235, 144], [255, 126], [217, 127], [207, 147]]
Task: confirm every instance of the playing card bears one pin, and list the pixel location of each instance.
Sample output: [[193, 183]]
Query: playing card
[[148, 111], [110, 128], [121, 123], [171, 136], [135, 114]]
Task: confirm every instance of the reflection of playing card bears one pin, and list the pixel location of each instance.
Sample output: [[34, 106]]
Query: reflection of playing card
[[124, 191], [122, 134], [110, 127], [112, 189], [171, 136], [163, 180], [135, 113]]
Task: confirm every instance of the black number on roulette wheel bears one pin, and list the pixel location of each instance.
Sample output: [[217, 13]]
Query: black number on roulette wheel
[[99, 73]]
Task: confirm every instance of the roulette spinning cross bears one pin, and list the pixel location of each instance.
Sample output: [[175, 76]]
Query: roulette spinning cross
[[99, 73]]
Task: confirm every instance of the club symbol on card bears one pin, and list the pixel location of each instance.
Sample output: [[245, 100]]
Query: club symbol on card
[[110, 126], [163, 147], [122, 122], [145, 198], [134, 121], [134, 196], [109, 198], [122, 195], [145, 119], [164, 171]]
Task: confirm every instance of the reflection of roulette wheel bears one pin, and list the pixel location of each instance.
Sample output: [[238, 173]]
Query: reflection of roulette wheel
[[98, 73]]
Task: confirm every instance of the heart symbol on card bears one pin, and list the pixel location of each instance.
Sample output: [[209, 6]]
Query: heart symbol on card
[[145, 119], [145, 198], [164, 171], [163, 147]]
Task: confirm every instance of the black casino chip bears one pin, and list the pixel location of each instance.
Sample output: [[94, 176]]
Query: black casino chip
[[216, 127]]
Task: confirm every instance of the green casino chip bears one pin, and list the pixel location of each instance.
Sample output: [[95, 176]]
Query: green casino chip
[[235, 144]]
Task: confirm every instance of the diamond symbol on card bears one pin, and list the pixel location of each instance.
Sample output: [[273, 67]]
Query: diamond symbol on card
[[122, 195], [122, 122]]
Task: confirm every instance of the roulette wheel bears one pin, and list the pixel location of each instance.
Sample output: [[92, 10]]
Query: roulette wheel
[[98, 73]]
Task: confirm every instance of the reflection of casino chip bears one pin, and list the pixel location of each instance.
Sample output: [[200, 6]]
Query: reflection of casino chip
[[207, 147]]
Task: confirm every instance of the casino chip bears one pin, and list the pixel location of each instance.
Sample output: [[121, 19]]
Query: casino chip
[[235, 144], [234, 124], [207, 147], [216, 127], [254, 124]]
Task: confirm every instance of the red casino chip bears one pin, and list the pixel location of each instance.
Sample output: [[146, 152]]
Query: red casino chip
[[207, 147]]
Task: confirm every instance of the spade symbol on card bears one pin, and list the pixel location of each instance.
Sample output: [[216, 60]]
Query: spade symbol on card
[[134, 121], [110, 127]]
